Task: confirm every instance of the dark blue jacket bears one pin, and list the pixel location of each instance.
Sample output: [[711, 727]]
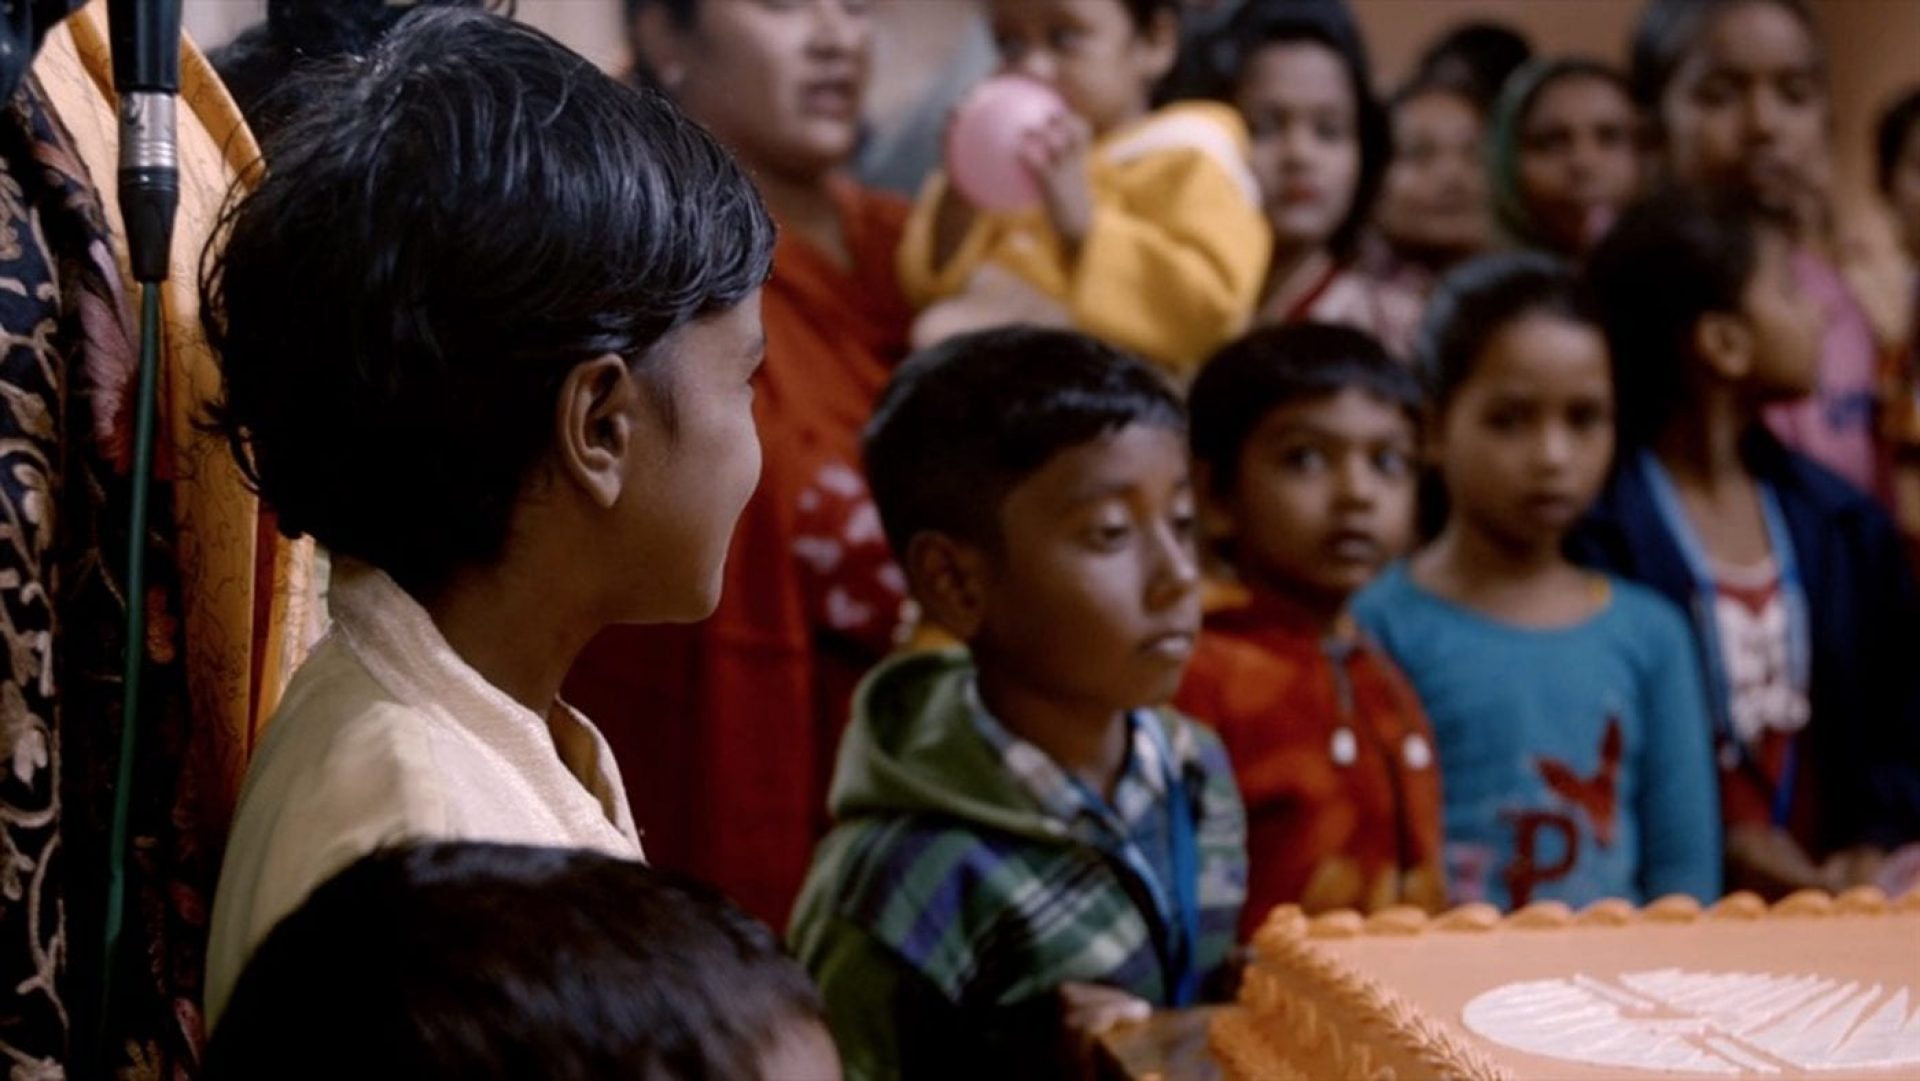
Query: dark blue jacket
[[1864, 738]]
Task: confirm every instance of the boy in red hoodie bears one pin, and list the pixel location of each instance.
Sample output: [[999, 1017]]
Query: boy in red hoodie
[[1304, 439]]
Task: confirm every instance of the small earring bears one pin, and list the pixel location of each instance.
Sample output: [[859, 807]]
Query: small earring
[[672, 76]]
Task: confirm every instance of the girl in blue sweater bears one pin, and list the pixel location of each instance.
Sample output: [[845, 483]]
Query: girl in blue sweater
[[1567, 706]]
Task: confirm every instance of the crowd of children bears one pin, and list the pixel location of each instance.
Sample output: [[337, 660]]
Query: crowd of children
[[1308, 500]]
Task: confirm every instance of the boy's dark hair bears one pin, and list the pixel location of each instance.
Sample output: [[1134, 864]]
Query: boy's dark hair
[[447, 228], [255, 65], [1480, 298], [1280, 365], [964, 422], [1667, 32], [1489, 51], [461, 960], [1897, 128], [1670, 260], [1259, 26]]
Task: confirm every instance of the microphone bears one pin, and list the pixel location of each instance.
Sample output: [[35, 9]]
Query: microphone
[[146, 76]]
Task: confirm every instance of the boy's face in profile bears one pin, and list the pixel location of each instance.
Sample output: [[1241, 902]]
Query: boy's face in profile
[[696, 462], [1093, 596], [1324, 497]]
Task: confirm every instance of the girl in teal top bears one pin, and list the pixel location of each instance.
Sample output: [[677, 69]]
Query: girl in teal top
[[1567, 706]]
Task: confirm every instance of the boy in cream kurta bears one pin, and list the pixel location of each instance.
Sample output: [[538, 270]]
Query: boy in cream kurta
[[506, 384], [384, 735]]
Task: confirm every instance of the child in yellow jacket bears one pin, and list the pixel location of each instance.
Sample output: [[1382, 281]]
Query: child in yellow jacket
[[1150, 233]]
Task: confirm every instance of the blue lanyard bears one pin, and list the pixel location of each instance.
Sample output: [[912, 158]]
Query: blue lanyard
[[1793, 596], [1181, 910]]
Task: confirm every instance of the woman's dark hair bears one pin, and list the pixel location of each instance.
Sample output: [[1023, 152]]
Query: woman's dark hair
[[964, 422], [446, 229], [1669, 261], [1279, 365], [1669, 29], [1897, 128], [1263, 26], [461, 960], [1486, 53], [1482, 297]]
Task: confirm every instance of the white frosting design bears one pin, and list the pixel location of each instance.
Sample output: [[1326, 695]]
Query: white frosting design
[[1731, 1024]]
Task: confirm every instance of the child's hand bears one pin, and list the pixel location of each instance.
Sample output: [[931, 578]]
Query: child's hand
[[1770, 863], [1086, 1011], [1900, 871], [1056, 153], [1856, 866]]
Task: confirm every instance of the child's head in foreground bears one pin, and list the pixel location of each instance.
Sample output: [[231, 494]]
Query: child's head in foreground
[[1105, 57], [1305, 440], [488, 304], [504, 961], [1034, 485], [1699, 298], [1522, 400]]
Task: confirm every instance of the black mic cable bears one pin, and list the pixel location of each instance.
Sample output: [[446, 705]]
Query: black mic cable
[[146, 78]]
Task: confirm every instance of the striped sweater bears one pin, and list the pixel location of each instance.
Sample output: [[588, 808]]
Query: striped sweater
[[954, 895]]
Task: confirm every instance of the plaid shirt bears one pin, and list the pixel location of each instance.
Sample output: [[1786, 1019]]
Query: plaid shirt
[[1136, 821], [967, 877]]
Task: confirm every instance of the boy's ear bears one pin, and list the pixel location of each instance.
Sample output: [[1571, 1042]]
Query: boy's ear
[[595, 427], [1724, 341], [949, 579], [1159, 44]]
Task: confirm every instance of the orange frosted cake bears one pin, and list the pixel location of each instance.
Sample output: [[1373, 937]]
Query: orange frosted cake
[[1813, 987]]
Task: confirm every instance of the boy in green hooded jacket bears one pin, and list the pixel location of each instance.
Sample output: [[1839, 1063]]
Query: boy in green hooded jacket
[[1025, 845]]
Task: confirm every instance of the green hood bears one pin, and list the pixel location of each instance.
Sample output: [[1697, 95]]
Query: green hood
[[912, 748]]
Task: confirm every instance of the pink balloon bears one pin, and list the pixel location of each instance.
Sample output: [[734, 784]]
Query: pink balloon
[[983, 141]]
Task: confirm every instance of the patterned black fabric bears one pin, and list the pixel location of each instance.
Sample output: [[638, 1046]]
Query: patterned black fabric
[[66, 367]]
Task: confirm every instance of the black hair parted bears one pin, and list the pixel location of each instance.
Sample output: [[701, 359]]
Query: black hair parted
[[1281, 365], [1558, 70], [445, 229], [1670, 260], [1899, 126], [964, 422], [1260, 26], [465, 960], [1478, 300], [1669, 29]]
